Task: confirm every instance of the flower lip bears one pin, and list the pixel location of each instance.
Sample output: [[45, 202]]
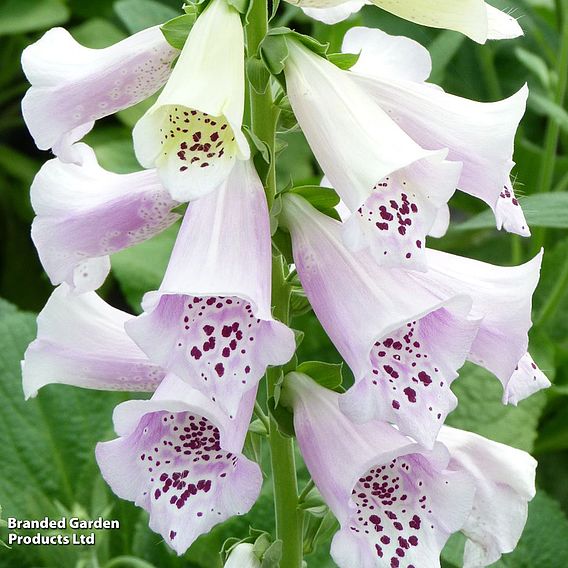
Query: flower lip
[[178, 458]]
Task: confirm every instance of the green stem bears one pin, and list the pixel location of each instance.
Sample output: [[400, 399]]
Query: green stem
[[289, 518], [261, 416], [263, 112], [546, 174], [486, 59], [306, 490], [264, 115]]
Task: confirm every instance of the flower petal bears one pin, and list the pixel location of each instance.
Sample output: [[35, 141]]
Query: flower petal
[[501, 25], [396, 502], [505, 482], [479, 135], [81, 341], [177, 459], [402, 341], [192, 134], [403, 208], [85, 213], [332, 14], [212, 313], [526, 379], [358, 146], [89, 274], [509, 214], [72, 86], [466, 16], [385, 56], [502, 296]]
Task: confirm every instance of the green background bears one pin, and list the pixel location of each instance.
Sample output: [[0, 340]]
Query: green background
[[47, 464]]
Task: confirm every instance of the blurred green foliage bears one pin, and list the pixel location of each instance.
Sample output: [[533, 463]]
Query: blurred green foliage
[[47, 459]]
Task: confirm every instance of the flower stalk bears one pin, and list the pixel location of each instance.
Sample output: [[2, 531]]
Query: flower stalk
[[264, 115]]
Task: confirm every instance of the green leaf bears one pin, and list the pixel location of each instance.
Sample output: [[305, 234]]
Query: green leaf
[[344, 60], [546, 107], [274, 52], [142, 267], [286, 119], [137, 15], [318, 531], [442, 50], [257, 143], [480, 410], [283, 244], [176, 30], [553, 266], [541, 210], [258, 75], [272, 555], [283, 417], [97, 33], [324, 199], [318, 196], [299, 303], [20, 17], [48, 442], [535, 64], [308, 41], [328, 375], [239, 5]]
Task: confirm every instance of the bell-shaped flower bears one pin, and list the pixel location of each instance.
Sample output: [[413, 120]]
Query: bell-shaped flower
[[72, 86], [85, 213], [502, 299], [243, 556], [396, 502], [394, 188], [179, 457], [192, 134], [393, 70], [475, 18], [403, 342], [81, 341], [210, 322], [505, 483]]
